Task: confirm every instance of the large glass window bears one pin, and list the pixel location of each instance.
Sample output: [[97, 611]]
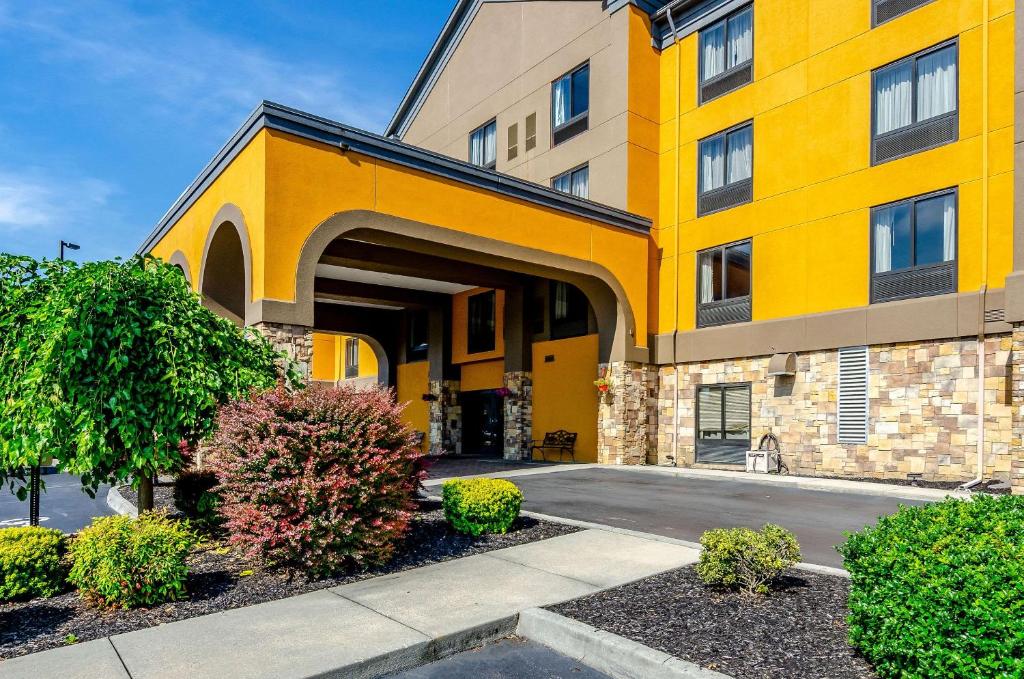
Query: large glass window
[[727, 44], [570, 311], [723, 423], [575, 182], [419, 336], [723, 285], [726, 169], [570, 103], [351, 358], [483, 145], [482, 324]]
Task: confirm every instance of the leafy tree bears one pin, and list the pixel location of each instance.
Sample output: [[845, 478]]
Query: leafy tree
[[114, 368]]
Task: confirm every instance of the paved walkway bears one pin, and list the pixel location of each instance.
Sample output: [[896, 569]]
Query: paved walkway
[[62, 505], [505, 659], [371, 627]]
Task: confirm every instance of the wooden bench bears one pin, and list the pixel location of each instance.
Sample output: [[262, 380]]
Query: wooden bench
[[563, 441]]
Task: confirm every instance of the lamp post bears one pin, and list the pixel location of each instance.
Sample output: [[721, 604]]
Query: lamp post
[[34, 483]]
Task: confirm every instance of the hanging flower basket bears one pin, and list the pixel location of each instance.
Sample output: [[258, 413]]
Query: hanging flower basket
[[603, 385]]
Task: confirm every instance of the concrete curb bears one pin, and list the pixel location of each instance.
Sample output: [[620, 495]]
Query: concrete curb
[[120, 504], [606, 652]]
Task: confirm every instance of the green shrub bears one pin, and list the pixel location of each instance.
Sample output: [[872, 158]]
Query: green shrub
[[195, 496], [938, 590], [746, 559], [31, 562], [126, 562], [476, 506]]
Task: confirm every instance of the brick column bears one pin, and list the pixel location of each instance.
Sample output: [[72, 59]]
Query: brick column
[[296, 341], [445, 418], [625, 432], [518, 415], [1017, 411]]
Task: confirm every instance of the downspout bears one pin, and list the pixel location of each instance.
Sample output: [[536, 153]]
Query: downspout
[[984, 251], [675, 293]]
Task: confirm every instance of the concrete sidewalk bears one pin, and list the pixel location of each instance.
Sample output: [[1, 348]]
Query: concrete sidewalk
[[372, 627]]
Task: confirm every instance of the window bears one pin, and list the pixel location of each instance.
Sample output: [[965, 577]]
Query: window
[[723, 285], [727, 54], [853, 395], [725, 174], [483, 145], [531, 131], [723, 423], [575, 182], [915, 104], [570, 311], [570, 104], [419, 337], [351, 358], [513, 141], [884, 10], [914, 247], [481, 322]]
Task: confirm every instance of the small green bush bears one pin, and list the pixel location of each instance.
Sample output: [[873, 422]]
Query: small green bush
[[938, 590], [746, 559], [31, 562], [125, 562], [476, 506], [195, 496]]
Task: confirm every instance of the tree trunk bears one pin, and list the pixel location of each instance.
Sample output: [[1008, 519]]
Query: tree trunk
[[145, 493]]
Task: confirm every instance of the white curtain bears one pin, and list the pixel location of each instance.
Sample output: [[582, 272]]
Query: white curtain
[[561, 301], [741, 37], [936, 84], [883, 239], [713, 51], [490, 144], [707, 277], [560, 101], [581, 183], [562, 183], [476, 148], [893, 99], [948, 228], [712, 163], [741, 144]]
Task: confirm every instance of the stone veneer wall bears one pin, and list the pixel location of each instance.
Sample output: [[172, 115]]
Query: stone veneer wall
[[923, 412], [626, 414], [518, 415], [1017, 399], [445, 418], [296, 341]]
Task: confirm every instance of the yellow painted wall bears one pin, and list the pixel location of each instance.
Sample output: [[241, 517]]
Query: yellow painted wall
[[483, 375], [329, 358], [460, 327], [564, 395], [413, 382], [813, 182]]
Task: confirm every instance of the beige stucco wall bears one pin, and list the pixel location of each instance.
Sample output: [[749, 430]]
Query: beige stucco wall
[[503, 68]]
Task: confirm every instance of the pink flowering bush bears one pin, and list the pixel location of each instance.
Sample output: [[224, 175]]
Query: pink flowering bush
[[317, 480]]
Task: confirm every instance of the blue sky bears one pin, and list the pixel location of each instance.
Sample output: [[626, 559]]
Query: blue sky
[[109, 109]]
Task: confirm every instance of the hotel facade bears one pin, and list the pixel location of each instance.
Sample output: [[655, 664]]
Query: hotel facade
[[743, 217]]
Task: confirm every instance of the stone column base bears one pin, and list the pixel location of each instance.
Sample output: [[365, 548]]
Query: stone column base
[[627, 414], [445, 418], [518, 415], [296, 341]]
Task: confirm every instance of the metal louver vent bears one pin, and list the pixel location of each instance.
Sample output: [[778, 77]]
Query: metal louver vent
[[890, 9], [933, 280], [724, 312], [853, 395], [995, 315], [920, 137], [727, 82], [728, 196]]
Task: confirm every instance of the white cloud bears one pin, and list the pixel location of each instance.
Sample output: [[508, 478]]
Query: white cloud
[[29, 200], [174, 66]]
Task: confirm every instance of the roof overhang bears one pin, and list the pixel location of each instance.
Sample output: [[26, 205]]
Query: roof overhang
[[680, 18], [269, 115]]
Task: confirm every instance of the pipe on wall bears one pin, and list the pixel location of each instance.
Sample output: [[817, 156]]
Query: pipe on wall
[[675, 294]]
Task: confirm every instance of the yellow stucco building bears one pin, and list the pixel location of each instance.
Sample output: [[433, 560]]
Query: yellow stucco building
[[749, 217]]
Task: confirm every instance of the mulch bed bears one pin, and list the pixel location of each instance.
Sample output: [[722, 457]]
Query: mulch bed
[[990, 486], [215, 584], [797, 631]]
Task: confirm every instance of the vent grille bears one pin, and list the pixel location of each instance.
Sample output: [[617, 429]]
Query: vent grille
[[727, 82], [853, 395], [531, 131], [570, 129], [890, 9], [728, 196], [920, 137], [513, 141], [932, 280], [724, 312], [995, 315]]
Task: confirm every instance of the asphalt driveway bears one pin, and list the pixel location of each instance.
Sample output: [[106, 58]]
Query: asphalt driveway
[[684, 507], [62, 505]]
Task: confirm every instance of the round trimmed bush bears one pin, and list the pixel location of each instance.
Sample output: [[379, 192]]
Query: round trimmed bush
[[318, 480], [476, 506], [938, 590], [746, 559], [125, 562], [31, 562]]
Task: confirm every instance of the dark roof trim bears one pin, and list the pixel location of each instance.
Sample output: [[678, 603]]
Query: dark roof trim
[[649, 6], [688, 16], [273, 116]]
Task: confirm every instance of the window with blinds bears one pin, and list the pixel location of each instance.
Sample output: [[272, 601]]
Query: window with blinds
[[853, 395], [723, 423]]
